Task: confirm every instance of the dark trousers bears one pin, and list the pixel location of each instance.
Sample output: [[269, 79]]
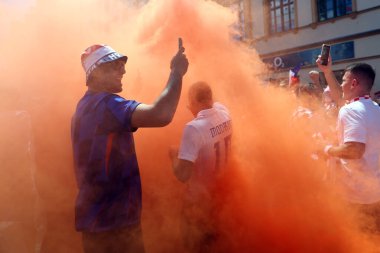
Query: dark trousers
[[197, 227], [124, 240], [370, 217]]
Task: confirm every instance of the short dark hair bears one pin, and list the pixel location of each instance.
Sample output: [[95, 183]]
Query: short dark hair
[[201, 92], [364, 71]]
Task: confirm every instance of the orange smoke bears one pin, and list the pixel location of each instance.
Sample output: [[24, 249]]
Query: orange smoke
[[273, 198]]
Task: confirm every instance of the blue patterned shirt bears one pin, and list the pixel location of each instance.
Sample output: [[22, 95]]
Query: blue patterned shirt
[[105, 163]]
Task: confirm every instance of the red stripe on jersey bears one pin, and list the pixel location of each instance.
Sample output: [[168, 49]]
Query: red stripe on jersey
[[358, 98], [108, 150]]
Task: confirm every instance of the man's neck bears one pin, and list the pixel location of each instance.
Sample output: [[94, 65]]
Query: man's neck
[[205, 107], [202, 107], [357, 96], [93, 88], [360, 94]]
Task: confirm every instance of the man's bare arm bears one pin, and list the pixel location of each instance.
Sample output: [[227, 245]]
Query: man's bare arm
[[182, 169], [161, 112], [348, 150], [335, 89]]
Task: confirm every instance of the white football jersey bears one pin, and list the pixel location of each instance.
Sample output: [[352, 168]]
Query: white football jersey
[[359, 121], [206, 141]]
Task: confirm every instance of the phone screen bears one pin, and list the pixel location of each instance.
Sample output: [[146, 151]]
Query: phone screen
[[325, 52]]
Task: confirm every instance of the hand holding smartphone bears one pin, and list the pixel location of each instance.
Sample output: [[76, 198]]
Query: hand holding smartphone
[[179, 61], [325, 52]]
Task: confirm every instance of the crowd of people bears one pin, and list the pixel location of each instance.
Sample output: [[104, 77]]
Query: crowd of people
[[108, 206], [109, 200]]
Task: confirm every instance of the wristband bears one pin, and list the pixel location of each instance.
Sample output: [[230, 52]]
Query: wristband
[[327, 148]]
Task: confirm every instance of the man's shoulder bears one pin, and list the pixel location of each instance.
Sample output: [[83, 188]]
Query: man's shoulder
[[114, 100], [102, 101], [358, 109], [220, 107], [359, 105], [196, 126], [348, 109], [192, 131], [94, 97], [193, 124], [355, 105]]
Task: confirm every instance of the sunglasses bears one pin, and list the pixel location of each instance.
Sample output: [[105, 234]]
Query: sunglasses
[[113, 65]]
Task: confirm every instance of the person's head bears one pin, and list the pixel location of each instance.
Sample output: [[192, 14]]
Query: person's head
[[357, 80], [200, 97], [104, 68], [314, 76]]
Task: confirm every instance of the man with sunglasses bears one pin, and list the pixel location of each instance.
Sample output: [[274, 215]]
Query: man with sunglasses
[[108, 205], [358, 128]]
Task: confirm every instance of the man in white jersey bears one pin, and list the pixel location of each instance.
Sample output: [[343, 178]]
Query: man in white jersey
[[202, 155], [358, 128]]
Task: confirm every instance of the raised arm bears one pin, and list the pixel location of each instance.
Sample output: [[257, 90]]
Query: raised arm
[[335, 89], [161, 112]]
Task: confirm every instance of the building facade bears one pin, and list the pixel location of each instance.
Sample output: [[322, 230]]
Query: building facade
[[287, 33]]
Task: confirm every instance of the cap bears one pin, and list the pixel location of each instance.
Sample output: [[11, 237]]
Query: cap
[[95, 55]]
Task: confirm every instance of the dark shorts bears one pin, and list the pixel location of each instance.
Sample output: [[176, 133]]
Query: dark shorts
[[123, 240]]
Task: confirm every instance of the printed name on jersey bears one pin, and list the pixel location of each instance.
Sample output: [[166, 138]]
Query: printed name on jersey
[[221, 128]]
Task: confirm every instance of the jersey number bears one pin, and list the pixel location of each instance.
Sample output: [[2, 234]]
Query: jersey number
[[227, 145]]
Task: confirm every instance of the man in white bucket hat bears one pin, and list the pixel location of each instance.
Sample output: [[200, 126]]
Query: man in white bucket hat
[[108, 205]]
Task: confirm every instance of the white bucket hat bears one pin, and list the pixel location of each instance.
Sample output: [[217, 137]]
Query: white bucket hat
[[95, 55]]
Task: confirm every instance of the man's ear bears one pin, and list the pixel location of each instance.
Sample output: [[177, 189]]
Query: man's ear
[[354, 83]]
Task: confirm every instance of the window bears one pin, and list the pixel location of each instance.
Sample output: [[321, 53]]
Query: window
[[240, 8], [239, 26], [328, 9], [281, 15]]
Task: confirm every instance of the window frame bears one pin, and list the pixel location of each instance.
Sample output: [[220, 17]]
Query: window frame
[[279, 23], [335, 8]]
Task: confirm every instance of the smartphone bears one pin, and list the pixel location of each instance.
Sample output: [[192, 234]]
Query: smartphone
[[180, 45], [325, 52]]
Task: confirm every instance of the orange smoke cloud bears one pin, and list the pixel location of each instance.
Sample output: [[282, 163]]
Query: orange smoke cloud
[[273, 198]]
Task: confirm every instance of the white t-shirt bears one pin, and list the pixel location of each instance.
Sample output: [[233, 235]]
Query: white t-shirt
[[359, 121], [206, 142]]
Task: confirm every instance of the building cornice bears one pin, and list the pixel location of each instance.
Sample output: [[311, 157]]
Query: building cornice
[[313, 25], [319, 43]]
